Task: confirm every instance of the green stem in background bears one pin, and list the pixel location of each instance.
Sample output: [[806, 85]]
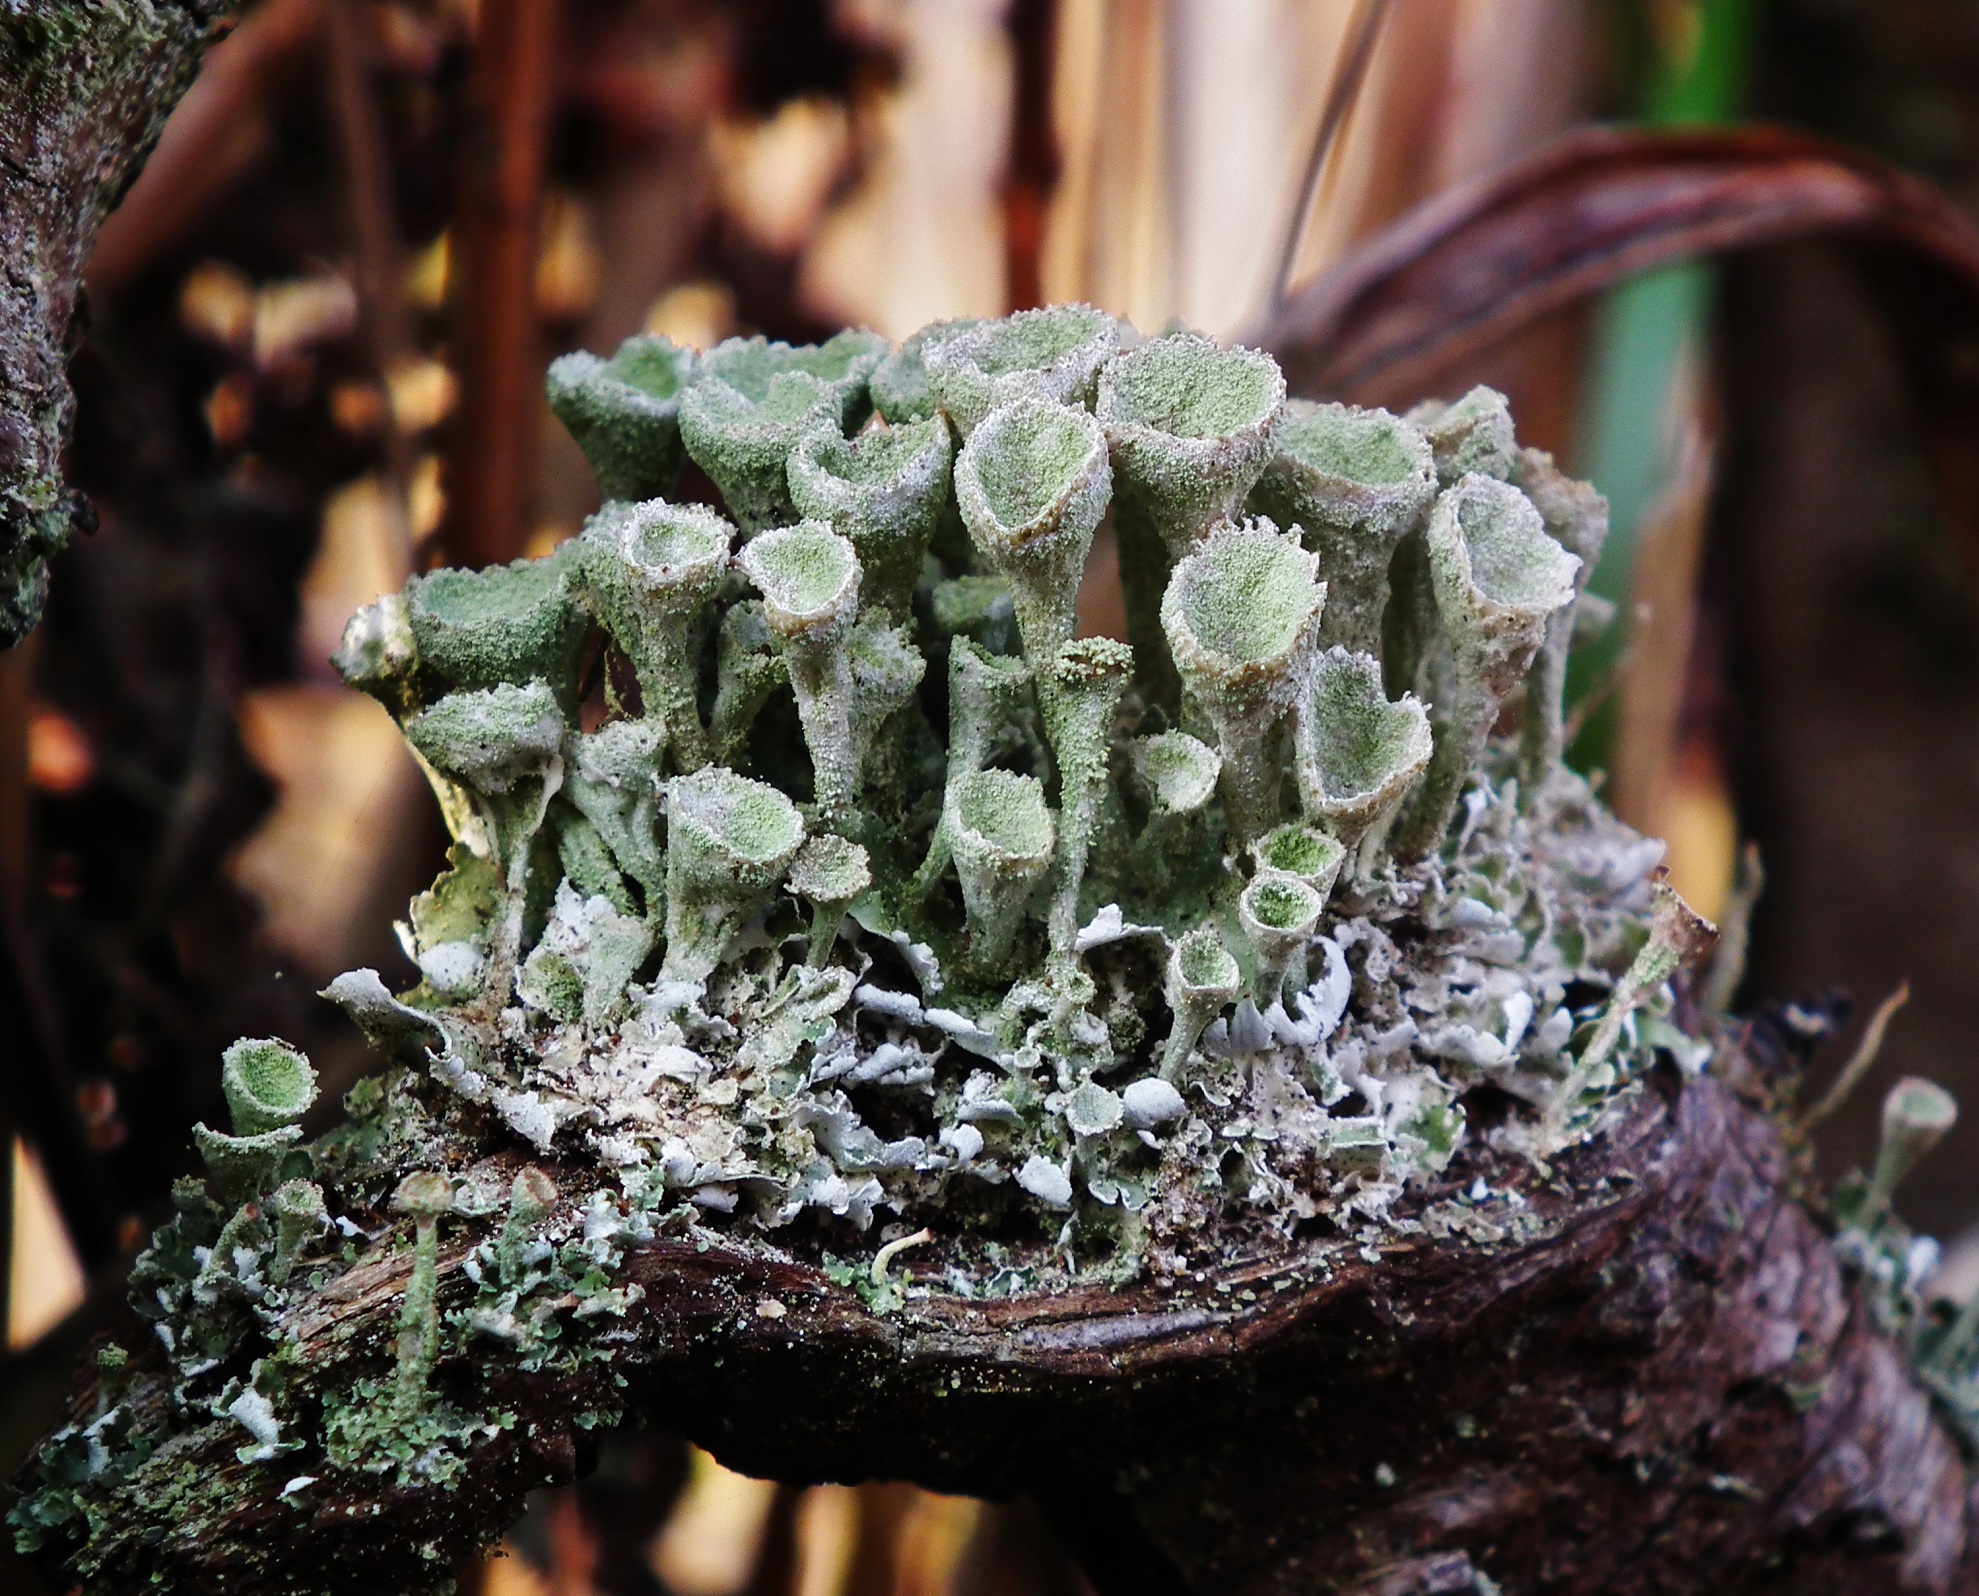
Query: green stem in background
[[531, 1195], [1650, 330], [614, 780], [297, 1206]]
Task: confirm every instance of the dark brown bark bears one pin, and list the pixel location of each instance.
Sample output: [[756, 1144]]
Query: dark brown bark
[[1669, 1387], [84, 91]]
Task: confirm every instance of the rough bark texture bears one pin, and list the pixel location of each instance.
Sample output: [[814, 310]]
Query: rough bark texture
[[84, 91], [1672, 1388]]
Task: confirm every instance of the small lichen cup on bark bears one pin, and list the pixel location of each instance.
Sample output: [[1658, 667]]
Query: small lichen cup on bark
[[1000, 835], [1496, 577], [1079, 693], [752, 401], [1202, 981], [505, 624], [1917, 1114], [1471, 434], [883, 490], [1241, 615], [505, 746], [1033, 482], [1575, 517], [1353, 482], [267, 1084], [1279, 914], [1052, 355], [1303, 853], [1190, 426], [649, 571], [899, 384], [828, 873], [729, 841], [847, 677], [1358, 755], [269, 1087], [625, 413]]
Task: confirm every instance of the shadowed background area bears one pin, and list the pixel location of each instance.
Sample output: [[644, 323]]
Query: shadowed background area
[[319, 323]]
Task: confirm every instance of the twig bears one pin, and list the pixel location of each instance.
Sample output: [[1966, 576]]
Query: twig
[[893, 1249], [380, 259], [1034, 165], [1363, 32], [1859, 1064], [510, 93]]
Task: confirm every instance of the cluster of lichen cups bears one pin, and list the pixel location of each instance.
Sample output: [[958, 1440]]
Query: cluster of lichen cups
[[778, 822], [1328, 609]]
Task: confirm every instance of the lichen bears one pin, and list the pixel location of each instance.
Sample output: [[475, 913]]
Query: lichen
[[812, 881]]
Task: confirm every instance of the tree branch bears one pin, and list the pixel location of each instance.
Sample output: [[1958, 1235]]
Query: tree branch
[[1657, 1378], [84, 91]]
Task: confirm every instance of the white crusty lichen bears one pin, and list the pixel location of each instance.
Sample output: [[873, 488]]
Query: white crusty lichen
[[808, 858]]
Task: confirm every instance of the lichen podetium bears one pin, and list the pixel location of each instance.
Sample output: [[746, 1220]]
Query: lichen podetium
[[813, 882]]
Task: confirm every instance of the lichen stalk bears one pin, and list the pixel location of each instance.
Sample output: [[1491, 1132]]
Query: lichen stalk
[[1354, 482], [1242, 616], [1496, 577], [1079, 694], [1576, 517], [1033, 481]]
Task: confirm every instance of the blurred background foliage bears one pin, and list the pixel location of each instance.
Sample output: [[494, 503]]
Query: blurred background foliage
[[319, 325]]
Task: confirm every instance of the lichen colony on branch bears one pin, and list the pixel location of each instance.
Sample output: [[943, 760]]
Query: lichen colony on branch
[[812, 877]]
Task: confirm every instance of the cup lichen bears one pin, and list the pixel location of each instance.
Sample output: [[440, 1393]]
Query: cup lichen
[[753, 917]]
